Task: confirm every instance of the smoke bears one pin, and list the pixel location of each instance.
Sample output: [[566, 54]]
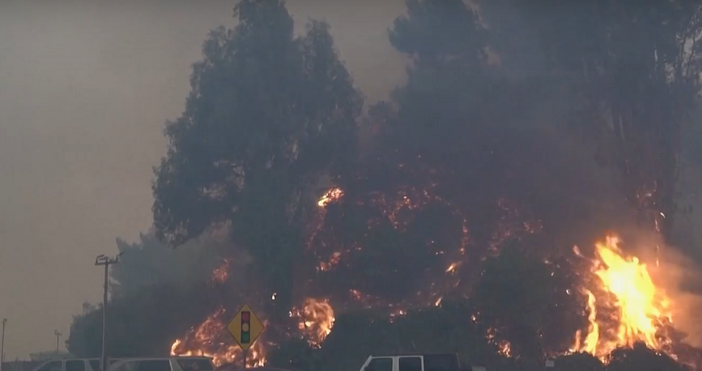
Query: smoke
[[148, 262], [677, 275]]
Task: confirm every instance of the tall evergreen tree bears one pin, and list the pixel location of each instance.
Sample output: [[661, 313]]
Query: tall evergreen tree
[[268, 115]]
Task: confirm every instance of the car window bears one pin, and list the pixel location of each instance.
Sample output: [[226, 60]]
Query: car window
[[410, 364], [196, 364], [154, 365], [75, 365], [50, 365], [441, 362], [127, 366], [54, 366], [95, 364], [379, 364]]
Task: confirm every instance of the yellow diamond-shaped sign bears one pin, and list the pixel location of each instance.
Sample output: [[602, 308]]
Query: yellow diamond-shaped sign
[[245, 327]]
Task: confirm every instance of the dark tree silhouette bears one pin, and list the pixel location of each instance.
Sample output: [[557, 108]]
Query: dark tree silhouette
[[269, 114]]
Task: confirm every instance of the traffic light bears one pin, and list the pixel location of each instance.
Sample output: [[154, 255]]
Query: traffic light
[[245, 327]]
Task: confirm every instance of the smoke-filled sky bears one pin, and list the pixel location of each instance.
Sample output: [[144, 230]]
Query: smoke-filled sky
[[85, 87]]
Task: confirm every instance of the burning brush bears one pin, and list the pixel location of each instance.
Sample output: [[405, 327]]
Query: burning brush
[[625, 305]]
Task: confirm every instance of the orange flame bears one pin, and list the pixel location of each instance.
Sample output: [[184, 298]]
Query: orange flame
[[640, 307], [316, 319], [209, 339], [330, 196], [504, 347]]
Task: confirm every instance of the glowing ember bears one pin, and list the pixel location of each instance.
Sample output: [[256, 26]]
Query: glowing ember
[[640, 308], [221, 273], [399, 312], [316, 319], [211, 339], [452, 267], [334, 260], [330, 196], [438, 301], [503, 346]]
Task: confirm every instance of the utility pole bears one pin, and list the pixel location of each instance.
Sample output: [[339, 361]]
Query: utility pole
[[58, 335], [2, 345], [106, 261]]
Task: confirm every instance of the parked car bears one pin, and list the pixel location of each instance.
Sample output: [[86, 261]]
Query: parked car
[[73, 364], [164, 364], [412, 362]]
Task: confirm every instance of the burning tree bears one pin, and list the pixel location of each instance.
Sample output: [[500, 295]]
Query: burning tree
[[268, 115]]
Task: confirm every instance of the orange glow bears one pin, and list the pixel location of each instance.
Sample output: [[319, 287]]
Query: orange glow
[[334, 260], [316, 319], [452, 267], [211, 339], [503, 346], [640, 307], [330, 196], [221, 273]]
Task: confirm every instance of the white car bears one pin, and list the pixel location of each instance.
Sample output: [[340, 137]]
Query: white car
[[163, 364], [412, 362]]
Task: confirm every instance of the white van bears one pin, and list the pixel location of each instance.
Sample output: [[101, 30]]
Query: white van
[[164, 364]]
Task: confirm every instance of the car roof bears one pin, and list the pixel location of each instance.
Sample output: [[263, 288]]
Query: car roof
[[413, 355], [123, 360], [233, 366]]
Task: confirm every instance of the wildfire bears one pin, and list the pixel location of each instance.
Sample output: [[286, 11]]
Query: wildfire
[[640, 308], [210, 339], [316, 319], [624, 305]]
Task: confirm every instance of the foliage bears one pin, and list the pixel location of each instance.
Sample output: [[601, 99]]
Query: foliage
[[635, 66], [268, 115], [450, 173], [149, 262], [641, 358], [144, 322], [537, 315]]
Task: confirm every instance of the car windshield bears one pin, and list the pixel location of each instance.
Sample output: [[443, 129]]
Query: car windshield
[[195, 364]]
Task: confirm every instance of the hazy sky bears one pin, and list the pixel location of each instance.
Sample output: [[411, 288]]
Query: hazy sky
[[85, 87]]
